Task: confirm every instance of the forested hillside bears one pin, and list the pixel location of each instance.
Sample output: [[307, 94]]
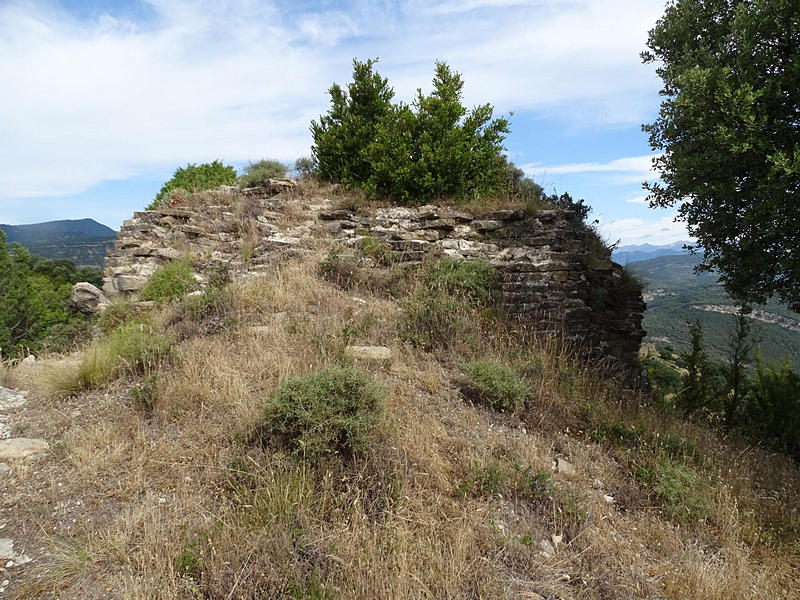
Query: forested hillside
[[676, 296], [83, 241]]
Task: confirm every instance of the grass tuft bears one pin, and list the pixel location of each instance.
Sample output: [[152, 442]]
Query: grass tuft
[[173, 280], [132, 349], [496, 385], [451, 305]]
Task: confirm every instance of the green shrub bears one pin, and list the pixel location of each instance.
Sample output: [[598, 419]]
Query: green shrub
[[680, 489], [772, 408], [189, 563], [338, 270], [432, 148], [432, 320], [172, 280], [496, 385], [305, 166], [207, 313], [259, 173], [331, 411], [63, 337], [484, 480], [134, 349], [194, 178]]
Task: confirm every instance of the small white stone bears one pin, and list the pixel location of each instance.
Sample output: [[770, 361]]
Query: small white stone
[[565, 467]]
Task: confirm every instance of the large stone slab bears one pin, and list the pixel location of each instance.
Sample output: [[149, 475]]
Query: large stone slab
[[130, 283], [369, 353], [22, 447]]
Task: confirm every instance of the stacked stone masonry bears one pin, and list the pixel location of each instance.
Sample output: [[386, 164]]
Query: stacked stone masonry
[[552, 276]]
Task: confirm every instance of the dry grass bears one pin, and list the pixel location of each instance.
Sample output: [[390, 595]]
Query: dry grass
[[176, 501]]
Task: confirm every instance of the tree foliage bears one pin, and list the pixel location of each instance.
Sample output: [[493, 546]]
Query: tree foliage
[[194, 178], [432, 148], [729, 130], [757, 400], [35, 311], [343, 135]]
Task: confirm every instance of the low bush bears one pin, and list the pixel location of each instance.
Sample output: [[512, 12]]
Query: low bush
[[305, 166], [64, 337], [259, 173], [450, 305], [145, 393], [195, 178], [432, 320], [679, 488], [509, 477], [132, 349], [495, 384], [204, 314], [171, 281], [338, 270], [328, 412]]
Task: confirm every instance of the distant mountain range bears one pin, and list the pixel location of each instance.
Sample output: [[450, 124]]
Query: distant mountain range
[[83, 241], [676, 295], [629, 254]]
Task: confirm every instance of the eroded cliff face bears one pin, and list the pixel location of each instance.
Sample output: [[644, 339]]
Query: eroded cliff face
[[553, 274]]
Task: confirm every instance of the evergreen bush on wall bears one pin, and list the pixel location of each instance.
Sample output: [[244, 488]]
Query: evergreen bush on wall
[[195, 178], [414, 153]]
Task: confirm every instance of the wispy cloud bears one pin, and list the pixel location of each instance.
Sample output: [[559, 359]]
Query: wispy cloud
[[643, 231], [107, 98], [640, 166]]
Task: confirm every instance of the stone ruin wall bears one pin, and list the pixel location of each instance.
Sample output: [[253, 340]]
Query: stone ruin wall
[[549, 275]]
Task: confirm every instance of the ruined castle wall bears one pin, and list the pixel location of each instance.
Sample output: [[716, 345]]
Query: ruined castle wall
[[552, 275]]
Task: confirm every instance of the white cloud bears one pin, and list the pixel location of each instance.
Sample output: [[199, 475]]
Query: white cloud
[[86, 101], [443, 8], [637, 200], [634, 166], [643, 231]]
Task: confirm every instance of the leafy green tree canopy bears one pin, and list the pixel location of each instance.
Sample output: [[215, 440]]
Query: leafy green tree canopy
[[194, 178], [342, 136], [729, 130], [434, 147], [35, 311]]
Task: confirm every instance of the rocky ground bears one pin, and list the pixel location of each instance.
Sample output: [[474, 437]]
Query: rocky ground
[[13, 554]]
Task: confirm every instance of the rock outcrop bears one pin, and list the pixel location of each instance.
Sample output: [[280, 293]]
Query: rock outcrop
[[87, 298], [554, 274]]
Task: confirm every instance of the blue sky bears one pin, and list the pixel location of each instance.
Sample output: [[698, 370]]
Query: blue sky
[[103, 100]]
